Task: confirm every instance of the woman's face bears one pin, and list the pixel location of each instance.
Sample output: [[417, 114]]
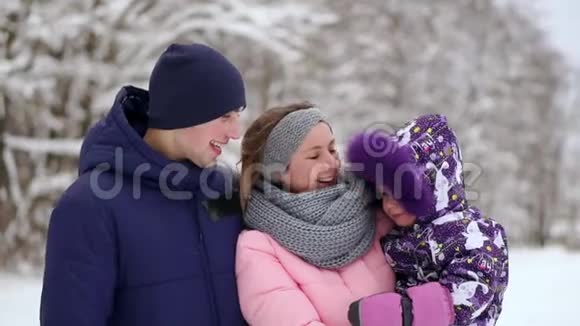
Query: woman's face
[[315, 163]]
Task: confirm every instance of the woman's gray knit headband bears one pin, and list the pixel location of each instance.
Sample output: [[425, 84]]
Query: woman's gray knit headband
[[288, 134]]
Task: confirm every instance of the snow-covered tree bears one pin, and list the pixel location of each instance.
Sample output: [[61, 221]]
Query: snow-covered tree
[[485, 64], [567, 227], [488, 67], [62, 61]]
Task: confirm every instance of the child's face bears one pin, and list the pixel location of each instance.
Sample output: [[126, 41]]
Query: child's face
[[397, 212]]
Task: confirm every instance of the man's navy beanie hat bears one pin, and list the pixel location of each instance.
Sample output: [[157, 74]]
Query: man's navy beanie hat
[[193, 84]]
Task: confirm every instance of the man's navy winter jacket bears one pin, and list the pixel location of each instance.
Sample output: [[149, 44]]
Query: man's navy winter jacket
[[131, 242]]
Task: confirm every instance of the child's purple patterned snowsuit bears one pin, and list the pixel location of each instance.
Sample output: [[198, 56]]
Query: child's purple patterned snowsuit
[[452, 242]]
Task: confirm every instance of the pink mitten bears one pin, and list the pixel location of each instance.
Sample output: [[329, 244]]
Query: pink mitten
[[382, 309], [432, 305], [429, 305]]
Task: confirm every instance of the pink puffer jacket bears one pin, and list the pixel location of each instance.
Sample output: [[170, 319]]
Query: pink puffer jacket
[[278, 288]]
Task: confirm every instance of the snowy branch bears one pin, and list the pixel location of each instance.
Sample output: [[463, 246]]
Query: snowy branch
[[50, 184], [66, 147]]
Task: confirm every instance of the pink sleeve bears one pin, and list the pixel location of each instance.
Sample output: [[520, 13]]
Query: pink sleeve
[[268, 295]]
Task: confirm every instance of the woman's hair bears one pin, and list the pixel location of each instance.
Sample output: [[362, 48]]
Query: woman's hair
[[253, 144]]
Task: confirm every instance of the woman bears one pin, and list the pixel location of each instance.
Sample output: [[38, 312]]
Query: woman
[[313, 247]]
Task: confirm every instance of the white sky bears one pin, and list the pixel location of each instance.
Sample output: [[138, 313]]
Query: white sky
[[562, 21]]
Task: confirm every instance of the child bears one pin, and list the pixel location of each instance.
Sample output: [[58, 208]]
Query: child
[[439, 237]]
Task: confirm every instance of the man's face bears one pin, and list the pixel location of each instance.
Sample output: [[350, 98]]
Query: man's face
[[202, 144]]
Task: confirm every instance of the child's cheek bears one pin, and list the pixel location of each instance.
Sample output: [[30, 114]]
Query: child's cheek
[[404, 220], [385, 203], [382, 215]]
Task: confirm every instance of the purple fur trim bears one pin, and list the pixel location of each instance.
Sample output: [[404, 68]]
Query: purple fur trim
[[377, 158]]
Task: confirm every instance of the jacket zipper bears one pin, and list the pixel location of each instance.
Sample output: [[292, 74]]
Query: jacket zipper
[[206, 270]]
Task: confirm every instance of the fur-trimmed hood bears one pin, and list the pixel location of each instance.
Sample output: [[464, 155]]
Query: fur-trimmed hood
[[420, 165]]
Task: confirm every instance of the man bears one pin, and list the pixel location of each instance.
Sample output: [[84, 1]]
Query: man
[[131, 242]]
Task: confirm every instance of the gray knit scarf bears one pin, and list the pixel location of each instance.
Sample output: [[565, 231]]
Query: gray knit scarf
[[329, 227]]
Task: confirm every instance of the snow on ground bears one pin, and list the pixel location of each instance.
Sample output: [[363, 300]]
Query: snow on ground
[[542, 291], [19, 300]]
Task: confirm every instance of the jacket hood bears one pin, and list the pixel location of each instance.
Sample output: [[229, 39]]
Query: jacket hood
[[420, 165], [115, 144]]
